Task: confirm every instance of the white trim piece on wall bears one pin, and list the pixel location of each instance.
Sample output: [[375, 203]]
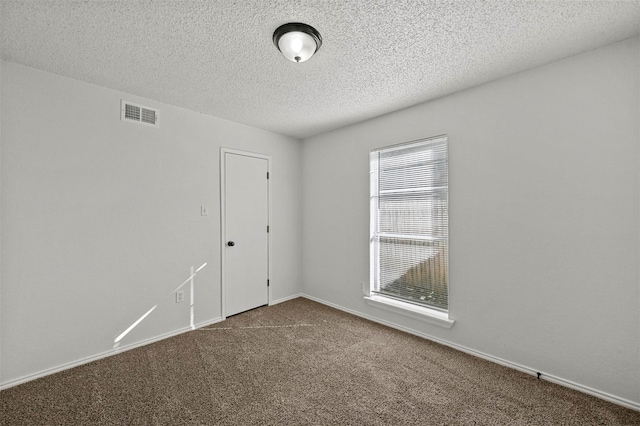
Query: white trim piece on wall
[[422, 313], [285, 299]]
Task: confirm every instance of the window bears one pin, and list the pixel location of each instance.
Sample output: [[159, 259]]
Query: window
[[409, 224]]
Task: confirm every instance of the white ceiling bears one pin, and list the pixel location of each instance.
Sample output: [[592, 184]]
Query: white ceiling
[[217, 57]]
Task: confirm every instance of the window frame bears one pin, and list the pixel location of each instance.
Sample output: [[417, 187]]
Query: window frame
[[433, 315]]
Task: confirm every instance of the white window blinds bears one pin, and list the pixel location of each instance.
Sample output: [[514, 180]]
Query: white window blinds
[[409, 222]]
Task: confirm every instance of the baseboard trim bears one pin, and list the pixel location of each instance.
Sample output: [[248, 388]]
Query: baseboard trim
[[525, 369], [111, 352], [285, 299]]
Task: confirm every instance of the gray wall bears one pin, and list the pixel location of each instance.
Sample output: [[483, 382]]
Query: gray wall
[[101, 219], [544, 215]]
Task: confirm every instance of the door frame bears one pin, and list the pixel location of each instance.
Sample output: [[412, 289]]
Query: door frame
[[223, 237]]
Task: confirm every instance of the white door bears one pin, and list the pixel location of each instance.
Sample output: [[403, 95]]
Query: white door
[[245, 220]]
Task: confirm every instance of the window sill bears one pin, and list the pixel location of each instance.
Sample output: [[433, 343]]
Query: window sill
[[431, 316]]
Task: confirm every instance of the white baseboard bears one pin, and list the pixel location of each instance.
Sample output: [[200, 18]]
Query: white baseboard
[[104, 354], [554, 379], [285, 299]]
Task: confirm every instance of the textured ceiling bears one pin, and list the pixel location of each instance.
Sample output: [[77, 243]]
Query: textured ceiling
[[217, 57]]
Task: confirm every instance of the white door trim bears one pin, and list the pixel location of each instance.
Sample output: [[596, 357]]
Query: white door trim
[[223, 236]]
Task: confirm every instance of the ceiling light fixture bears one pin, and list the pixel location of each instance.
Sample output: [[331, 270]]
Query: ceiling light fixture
[[297, 42]]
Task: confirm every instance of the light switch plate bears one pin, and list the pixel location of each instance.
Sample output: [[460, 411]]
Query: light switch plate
[[204, 210]]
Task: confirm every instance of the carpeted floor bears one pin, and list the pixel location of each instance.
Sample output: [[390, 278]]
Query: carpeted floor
[[298, 363]]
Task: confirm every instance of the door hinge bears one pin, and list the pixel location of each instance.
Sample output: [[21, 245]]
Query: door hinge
[[267, 228], [267, 175], [267, 283]]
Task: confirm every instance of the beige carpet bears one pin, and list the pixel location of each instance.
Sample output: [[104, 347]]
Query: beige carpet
[[297, 363]]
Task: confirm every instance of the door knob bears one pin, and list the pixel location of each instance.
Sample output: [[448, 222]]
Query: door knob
[[231, 244]]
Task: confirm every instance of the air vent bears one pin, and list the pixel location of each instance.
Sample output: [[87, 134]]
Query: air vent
[[139, 113]]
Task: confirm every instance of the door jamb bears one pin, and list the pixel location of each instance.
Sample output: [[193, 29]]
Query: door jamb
[[223, 237]]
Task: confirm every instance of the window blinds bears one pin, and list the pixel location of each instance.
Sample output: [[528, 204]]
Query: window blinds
[[409, 222]]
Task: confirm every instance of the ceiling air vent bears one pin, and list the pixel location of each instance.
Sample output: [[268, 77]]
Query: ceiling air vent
[[138, 113]]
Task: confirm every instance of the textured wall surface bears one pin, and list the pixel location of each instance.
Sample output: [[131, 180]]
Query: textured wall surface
[[101, 219], [217, 57], [544, 207]]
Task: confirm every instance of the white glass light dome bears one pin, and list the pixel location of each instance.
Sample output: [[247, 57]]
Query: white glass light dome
[[297, 42]]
